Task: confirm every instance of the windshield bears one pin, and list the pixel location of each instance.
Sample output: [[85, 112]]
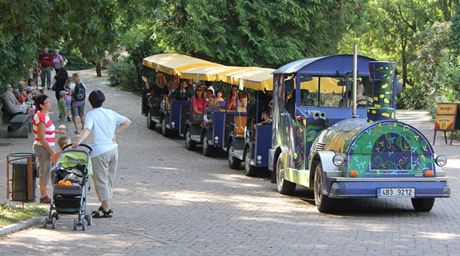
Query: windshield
[[332, 92]]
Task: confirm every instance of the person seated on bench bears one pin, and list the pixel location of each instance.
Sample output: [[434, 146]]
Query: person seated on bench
[[209, 112], [198, 103], [11, 104]]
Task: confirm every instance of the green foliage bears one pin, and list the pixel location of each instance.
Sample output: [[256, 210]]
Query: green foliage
[[123, 75], [21, 36], [262, 32], [455, 38], [77, 63], [9, 215]]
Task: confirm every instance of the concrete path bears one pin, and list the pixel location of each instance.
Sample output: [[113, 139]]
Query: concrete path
[[170, 201]]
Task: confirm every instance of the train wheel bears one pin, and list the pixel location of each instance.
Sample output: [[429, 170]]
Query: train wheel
[[283, 186], [423, 204], [249, 170], [206, 149], [150, 123], [233, 162], [164, 129], [323, 202], [189, 144]]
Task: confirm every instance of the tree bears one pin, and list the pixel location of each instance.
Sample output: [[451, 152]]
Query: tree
[[263, 33], [92, 28], [22, 36]]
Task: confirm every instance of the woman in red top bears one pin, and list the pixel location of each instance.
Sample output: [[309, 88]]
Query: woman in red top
[[231, 101], [44, 132], [198, 101]]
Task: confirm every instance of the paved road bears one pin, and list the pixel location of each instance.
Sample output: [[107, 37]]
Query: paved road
[[170, 201]]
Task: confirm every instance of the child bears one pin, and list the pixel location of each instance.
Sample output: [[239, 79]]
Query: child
[[209, 111], [68, 100], [61, 106], [22, 96], [62, 142]]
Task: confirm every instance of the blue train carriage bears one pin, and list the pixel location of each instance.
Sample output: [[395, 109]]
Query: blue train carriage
[[165, 70], [251, 147], [212, 136], [344, 151]]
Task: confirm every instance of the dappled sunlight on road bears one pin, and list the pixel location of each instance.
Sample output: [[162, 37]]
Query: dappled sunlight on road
[[439, 235]]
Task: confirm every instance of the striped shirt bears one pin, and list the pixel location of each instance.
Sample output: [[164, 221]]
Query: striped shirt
[[39, 117]]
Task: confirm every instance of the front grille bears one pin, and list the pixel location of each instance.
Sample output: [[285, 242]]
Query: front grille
[[320, 146]]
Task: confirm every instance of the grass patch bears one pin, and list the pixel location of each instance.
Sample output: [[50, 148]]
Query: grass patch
[[10, 215]]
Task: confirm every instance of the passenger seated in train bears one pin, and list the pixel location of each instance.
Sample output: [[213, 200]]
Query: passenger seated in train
[[361, 99], [219, 99], [266, 117], [209, 111], [209, 92], [231, 101], [180, 93], [242, 102], [198, 103]]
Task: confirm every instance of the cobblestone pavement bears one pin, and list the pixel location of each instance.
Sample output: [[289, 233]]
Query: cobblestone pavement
[[170, 201]]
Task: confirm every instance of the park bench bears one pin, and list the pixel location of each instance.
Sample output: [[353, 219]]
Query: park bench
[[16, 125]]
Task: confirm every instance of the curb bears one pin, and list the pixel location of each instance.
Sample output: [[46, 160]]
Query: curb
[[15, 227]]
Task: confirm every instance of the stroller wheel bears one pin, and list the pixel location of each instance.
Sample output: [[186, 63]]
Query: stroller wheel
[[53, 223], [83, 225], [75, 224], [45, 224], [89, 219]]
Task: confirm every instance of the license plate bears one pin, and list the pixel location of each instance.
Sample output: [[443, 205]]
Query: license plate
[[396, 192]]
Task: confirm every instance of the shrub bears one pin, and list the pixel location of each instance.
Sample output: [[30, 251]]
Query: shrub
[[75, 62], [123, 75]]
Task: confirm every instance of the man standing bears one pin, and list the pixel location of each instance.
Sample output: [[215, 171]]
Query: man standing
[[105, 126], [45, 60]]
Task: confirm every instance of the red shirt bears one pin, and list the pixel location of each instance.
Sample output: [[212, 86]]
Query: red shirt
[[45, 59], [199, 103], [231, 100]]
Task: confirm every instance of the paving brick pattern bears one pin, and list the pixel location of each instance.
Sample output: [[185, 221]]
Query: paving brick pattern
[[170, 201]]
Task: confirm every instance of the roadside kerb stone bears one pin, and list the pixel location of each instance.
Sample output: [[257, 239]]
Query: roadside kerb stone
[[15, 227]]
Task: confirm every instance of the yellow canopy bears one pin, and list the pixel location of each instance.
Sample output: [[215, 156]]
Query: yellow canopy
[[173, 63], [210, 73], [255, 78], [328, 85]]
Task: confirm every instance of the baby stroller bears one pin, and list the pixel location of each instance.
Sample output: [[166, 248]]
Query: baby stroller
[[70, 185]]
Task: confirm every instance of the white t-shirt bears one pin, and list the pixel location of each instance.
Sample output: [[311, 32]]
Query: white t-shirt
[[103, 122]]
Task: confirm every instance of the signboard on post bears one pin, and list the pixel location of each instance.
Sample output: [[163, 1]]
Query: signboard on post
[[446, 120]]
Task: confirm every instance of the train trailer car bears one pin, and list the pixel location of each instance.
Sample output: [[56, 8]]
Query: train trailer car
[[344, 151]]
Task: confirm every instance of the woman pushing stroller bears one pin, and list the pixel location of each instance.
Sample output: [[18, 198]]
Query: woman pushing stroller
[[104, 125]]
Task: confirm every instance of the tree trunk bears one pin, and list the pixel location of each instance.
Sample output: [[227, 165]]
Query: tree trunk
[[98, 69]]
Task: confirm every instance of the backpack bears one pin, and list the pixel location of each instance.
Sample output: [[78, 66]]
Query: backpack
[[79, 93]]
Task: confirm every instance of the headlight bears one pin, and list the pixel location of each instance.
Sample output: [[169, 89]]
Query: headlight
[[338, 159], [441, 160]]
